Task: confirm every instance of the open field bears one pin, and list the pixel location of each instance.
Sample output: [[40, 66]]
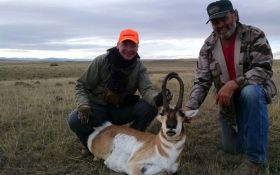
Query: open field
[[35, 99]]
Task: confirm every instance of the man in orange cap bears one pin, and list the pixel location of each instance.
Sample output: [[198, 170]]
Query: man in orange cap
[[106, 91]]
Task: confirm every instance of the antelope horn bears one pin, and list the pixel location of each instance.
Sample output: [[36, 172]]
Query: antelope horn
[[181, 93], [165, 102]]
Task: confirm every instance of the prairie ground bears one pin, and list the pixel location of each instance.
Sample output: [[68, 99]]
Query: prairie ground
[[35, 99]]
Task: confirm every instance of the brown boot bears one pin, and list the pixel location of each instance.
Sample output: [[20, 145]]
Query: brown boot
[[247, 168]]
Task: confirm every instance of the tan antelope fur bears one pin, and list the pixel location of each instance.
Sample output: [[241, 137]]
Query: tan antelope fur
[[140, 153]]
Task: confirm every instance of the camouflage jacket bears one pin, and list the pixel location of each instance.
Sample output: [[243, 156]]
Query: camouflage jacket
[[252, 59], [91, 86]]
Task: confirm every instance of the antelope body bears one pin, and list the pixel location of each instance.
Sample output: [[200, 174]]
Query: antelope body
[[139, 153]]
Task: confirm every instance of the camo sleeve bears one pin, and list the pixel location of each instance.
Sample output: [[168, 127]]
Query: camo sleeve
[[203, 80], [260, 61]]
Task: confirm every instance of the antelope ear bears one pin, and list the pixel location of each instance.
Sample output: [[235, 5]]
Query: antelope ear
[[159, 118], [161, 114]]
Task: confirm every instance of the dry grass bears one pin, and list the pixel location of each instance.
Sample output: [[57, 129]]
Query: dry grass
[[35, 99]]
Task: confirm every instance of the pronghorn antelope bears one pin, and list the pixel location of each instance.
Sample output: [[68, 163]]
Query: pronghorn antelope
[[140, 153]]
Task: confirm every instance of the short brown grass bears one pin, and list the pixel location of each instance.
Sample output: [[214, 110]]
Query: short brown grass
[[35, 99]]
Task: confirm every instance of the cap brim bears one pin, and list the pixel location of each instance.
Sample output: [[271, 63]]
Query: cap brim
[[130, 39], [218, 15]]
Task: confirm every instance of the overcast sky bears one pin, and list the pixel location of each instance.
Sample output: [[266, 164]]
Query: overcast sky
[[86, 28]]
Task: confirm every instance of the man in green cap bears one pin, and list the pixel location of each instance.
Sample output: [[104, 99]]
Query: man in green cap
[[237, 58]]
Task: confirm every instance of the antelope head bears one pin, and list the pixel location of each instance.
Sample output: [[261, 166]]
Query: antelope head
[[172, 117]]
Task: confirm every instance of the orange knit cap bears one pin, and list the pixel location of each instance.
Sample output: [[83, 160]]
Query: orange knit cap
[[129, 34]]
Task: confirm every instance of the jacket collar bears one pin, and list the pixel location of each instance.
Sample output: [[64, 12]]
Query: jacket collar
[[117, 61]]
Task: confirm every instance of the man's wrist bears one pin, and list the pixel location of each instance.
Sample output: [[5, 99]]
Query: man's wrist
[[240, 81]]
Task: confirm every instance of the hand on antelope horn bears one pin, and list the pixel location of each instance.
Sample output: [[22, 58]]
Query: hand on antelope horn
[[188, 113], [159, 97]]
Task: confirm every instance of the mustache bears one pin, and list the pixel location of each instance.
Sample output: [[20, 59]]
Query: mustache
[[227, 31]]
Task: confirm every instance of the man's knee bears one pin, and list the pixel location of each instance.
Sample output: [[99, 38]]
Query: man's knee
[[252, 93], [144, 114], [73, 120], [145, 109], [152, 110]]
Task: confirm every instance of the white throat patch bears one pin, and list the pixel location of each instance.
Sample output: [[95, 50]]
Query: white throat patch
[[124, 147]]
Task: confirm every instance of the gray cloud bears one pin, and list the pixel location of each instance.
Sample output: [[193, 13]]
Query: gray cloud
[[34, 24]]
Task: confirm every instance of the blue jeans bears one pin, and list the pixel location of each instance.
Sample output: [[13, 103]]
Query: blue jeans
[[139, 115], [252, 122]]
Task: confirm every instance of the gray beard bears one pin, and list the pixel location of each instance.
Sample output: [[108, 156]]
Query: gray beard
[[229, 33]]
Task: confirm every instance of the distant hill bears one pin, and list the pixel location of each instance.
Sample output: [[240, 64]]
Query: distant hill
[[41, 60], [276, 55], [71, 60]]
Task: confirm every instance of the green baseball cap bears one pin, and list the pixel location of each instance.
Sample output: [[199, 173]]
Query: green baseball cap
[[218, 9]]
